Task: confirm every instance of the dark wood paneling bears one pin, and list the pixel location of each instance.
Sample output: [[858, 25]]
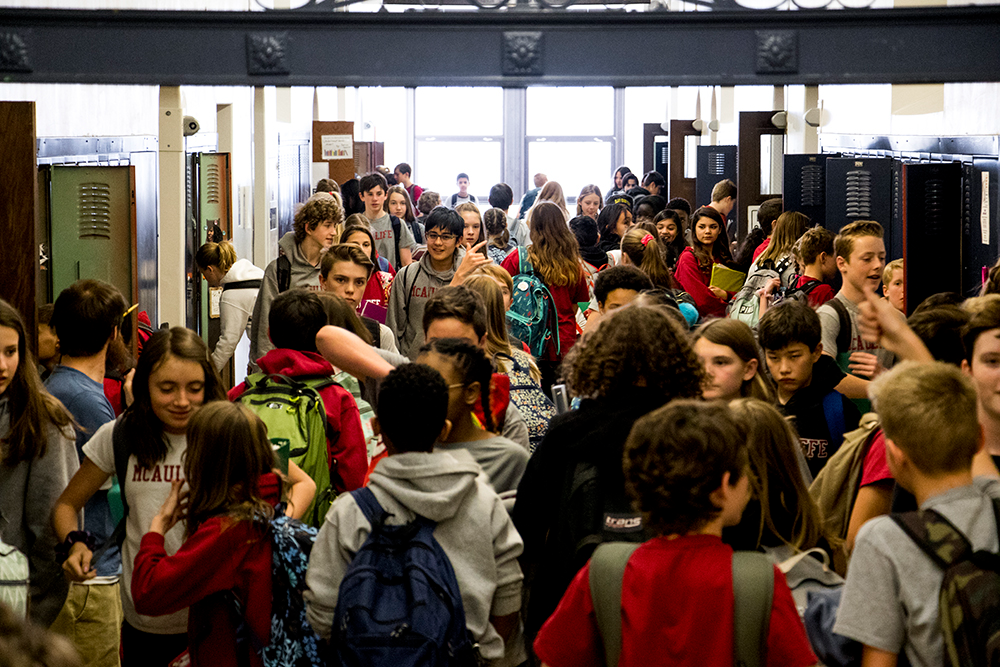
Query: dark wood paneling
[[18, 197], [753, 126], [679, 186]]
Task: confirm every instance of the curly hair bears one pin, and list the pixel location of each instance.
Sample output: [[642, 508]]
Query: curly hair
[[675, 458], [638, 348], [554, 251], [321, 207]]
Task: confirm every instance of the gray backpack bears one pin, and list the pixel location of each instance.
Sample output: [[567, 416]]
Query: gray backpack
[[14, 579]]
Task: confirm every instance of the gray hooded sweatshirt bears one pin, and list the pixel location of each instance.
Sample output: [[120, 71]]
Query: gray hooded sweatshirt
[[473, 529], [411, 288], [303, 274]]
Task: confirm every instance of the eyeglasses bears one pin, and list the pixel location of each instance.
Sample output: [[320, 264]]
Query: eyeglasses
[[455, 386], [440, 237]]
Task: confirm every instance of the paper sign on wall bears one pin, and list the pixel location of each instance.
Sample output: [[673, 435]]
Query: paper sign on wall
[[984, 209], [338, 147]]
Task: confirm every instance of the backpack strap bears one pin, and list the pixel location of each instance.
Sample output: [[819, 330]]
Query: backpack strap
[[243, 284], [523, 261], [373, 329], [408, 296], [844, 334], [396, 230], [284, 273], [753, 592], [119, 443], [369, 505], [937, 537], [607, 570], [833, 410]]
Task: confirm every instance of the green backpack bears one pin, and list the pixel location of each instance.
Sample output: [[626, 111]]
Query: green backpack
[[293, 412]]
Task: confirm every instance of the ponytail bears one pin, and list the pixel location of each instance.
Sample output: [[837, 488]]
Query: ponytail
[[495, 221], [645, 251], [222, 255]]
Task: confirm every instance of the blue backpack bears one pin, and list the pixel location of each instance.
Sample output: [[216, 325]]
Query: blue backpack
[[532, 314], [399, 603]]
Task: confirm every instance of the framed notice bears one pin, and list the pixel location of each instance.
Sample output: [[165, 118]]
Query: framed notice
[[337, 146]]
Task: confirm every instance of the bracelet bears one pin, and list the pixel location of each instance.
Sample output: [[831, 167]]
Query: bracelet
[[62, 549]]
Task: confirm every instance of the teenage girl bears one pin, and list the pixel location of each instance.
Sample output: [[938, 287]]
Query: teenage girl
[[694, 267], [380, 281], [498, 340], [37, 458], [788, 228], [619, 177], [230, 471], [220, 267], [495, 221], [555, 258], [643, 250], [468, 372], [781, 512], [553, 192], [612, 223], [398, 203], [670, 229], [589, 201], [729, 355], [474, 231]]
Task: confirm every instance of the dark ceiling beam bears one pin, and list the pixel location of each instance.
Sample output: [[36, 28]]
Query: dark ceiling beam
[[510, 48]]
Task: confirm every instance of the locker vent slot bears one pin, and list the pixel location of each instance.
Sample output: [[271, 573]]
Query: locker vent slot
[[934, 207], [813, 184], [716, 164], [664, 153], [212, 184], [859, 194], [94, 210]]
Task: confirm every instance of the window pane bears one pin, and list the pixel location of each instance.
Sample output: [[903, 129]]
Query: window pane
[[385, 109], [458, 112], [441, 161], [566, 111], [573, 164]]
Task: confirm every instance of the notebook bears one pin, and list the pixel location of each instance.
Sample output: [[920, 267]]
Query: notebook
[[728, 279]]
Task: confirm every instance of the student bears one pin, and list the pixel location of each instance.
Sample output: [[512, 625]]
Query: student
[[38, 459], [981, 341], [173, 379], [655, 183], [48, 342], [555, 257], [473, 232], [500, 245], [387, 240], [781, 515], [636, 361], [619, 181], [790, 334], [233, 485], [447, 487], [791, 225], [890, 601], [240, 281], [528, 200], [553, 192], [346, 271], [428, 201], [398, 204], [614, 288], [87, 318], [694, 266], [417, 283], [404, 176], [326, 185], [502, 278], [629, 182], [723, 197], [313, 231], [767, 215], [670, 229], [687, 507], [498, 340], [462, 196], [730, 357], [641, 249], [357, 231], [683, 209], [468, 372], [892, 284], [860, 254], [584, 228], [297, 316], [819, 266], [588, 202], [647, 208]]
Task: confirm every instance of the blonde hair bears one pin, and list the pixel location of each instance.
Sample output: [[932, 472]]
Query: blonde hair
[[843, 245], [553, 192], [222, 255], [588, 190], [917, 405], [497, 273], [889, 268], [554, 251], [497, 342], [788, 228]]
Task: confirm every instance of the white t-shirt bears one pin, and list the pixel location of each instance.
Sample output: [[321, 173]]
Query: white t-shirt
[[145, 490]]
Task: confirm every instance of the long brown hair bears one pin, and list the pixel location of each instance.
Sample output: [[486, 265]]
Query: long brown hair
[[719, 251], [775, 474], [497, 342], [554, 251], [227, 452], [409, 216], [32, 408], [145, 430], [553, 192], [738, 337], [789, 226], [645, 251], [588, 190]]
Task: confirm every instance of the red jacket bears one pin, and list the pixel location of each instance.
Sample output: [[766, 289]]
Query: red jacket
[[349, 449], [222, 555], [695, 283]]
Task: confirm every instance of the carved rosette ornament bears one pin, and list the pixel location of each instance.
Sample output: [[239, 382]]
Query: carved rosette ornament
[[777, 52], [522, 53], [266, 53], [13, 52]]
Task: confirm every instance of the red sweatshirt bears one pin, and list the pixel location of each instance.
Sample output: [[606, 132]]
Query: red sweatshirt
[[221, 555], [349, 449], [695, 283]]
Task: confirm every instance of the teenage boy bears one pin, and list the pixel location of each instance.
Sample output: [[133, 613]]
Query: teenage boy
[[981, 340], [314, 229], [687, 563], [403, 173], [890, 601], [502, 197], [819, 266], [892, 284], [416, 283], [390, 235], [296, 316], [724, 197], [655, 183], [414, 480], [860, 256], [790, 334], [345, 271], [462, 196], [614, 288], [767, 214], [48, 342], [86, 318]]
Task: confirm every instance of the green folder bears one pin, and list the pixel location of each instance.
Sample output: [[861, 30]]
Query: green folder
[[728, 279]]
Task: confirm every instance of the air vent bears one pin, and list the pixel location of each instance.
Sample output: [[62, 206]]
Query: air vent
[[94, 210], [664, 153], [717, 164], [859, 194], [935, 205], [213, 184], [813, 183]]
